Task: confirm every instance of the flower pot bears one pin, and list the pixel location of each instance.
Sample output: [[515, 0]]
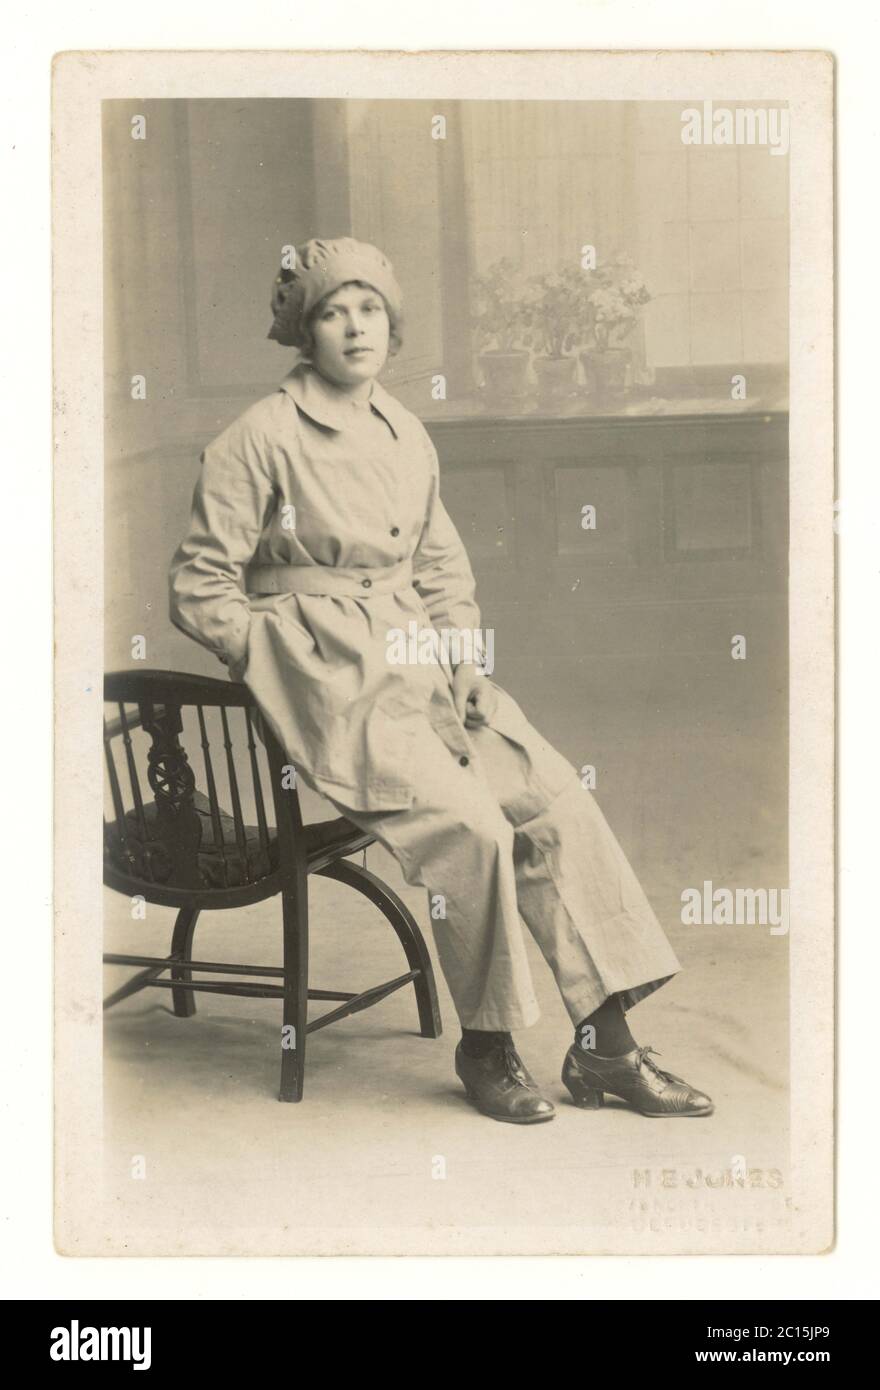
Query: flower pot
[[605, 372], [505, 380], [556, 377]]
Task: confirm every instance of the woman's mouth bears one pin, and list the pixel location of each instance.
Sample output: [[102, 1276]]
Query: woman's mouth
[[357, 352]]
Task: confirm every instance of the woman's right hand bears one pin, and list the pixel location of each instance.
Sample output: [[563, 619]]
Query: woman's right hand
[[474, 697]]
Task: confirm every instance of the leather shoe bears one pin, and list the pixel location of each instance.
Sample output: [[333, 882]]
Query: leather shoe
[[636, 1078], [499, 1085]]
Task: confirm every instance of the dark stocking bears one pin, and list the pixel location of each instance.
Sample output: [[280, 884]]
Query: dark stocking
[[613, 1037], [476, 1043]]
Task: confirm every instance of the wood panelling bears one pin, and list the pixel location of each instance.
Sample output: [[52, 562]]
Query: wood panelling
[[687, 508]]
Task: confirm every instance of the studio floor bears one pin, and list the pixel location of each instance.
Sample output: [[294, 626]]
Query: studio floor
[[384, 1154]]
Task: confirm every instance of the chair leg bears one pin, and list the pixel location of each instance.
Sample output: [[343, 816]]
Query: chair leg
[[184, 1000], [407, 929], [295, 920]]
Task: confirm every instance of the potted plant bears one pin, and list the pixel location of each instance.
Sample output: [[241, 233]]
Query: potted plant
[[615, 301], [498, 324], [555, 314]]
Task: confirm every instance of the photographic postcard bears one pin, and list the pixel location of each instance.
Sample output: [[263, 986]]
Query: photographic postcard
[[444, 508]]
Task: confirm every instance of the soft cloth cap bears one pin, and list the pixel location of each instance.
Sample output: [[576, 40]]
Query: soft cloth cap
[[321, 267]]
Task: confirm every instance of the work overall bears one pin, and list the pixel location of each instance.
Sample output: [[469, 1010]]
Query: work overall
[[490, 819]]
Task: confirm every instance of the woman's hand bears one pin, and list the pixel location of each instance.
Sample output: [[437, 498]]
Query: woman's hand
[[474, 697]]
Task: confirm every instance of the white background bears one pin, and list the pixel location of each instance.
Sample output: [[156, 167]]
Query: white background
[[849, 30]]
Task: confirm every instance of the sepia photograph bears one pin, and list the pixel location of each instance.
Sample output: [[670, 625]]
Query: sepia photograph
[[464, 879]]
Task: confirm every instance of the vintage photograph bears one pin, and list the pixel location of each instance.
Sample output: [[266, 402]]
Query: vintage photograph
[[450, 568]]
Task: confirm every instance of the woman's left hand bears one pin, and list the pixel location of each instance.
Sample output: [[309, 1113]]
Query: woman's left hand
[[474, 696]]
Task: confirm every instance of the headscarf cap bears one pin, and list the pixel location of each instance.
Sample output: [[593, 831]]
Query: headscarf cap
[[320, 268]]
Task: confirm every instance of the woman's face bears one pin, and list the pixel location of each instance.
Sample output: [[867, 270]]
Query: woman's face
[[350, 332]]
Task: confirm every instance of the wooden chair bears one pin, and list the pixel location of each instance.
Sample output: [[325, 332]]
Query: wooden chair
[[182, 850]]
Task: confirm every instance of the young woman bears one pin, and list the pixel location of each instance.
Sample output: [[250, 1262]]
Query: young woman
[[318, 537]]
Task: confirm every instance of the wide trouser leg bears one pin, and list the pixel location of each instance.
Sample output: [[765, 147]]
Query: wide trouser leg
[[514, 836], [455, 841], [576, 890], [586, 909]]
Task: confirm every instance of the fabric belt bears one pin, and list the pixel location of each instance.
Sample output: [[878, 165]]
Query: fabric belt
[[328, 579]]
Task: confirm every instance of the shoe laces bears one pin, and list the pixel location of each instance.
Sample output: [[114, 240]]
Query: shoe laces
[[645, 1058], [512, 1062]]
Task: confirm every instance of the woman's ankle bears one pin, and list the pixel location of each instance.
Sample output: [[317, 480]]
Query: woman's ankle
[[477, 1042], [605, 1031]]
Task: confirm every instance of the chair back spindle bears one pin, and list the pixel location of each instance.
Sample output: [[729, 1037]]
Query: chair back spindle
[[262, 827], [216, 822], [237, 818]]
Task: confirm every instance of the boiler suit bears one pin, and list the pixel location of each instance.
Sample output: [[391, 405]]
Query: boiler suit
[[317, 537]]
